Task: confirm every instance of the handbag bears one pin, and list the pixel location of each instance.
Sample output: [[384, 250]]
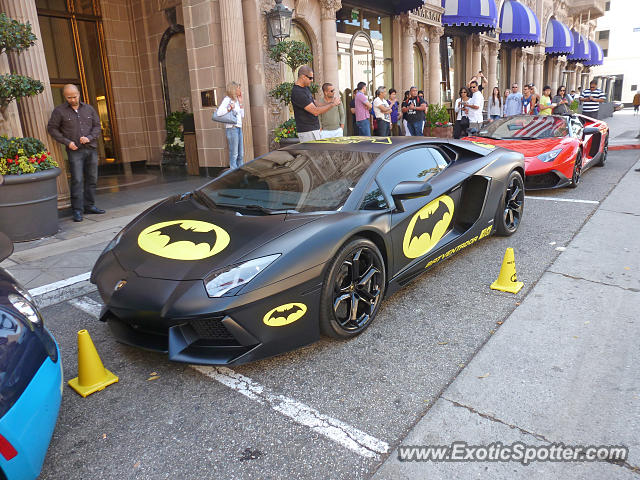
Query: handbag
[[229, 117]]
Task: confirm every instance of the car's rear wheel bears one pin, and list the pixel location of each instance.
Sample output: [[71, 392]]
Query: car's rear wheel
[[605, 152], [577, 171], [511, 207], [352, 290]]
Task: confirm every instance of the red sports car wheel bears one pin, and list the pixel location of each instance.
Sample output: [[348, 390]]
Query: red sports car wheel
[[577, 170]]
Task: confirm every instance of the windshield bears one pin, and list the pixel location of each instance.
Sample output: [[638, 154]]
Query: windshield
[[525, 127], [292, 180]]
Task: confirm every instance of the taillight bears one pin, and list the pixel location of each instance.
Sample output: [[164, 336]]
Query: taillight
[[6, 449]]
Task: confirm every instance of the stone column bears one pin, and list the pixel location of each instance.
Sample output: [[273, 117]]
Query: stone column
[[396, 29], [578, 82], [476, 56], [408, 39], [35, 111], [561, 67], [234, 54], [9, 117], [421, 33], [529, 73], [492, 76], [435, 72], [519, 62], [538, 76], [329, 41]]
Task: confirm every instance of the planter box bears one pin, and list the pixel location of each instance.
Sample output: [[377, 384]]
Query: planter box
[[443, 132], [29, 205], [428, 131], [173, 158], [288, 141]]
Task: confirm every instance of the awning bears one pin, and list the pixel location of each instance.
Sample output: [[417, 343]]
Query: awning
[[582, 52], [520, 26], [558, 39], [597, 57], [472, 16]]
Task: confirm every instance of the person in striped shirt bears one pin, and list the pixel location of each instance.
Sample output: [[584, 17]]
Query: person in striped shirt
[[591, 99]]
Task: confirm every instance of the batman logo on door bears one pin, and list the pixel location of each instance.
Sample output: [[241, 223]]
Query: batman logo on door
[[183, 239], [285, 314], [427, 227]]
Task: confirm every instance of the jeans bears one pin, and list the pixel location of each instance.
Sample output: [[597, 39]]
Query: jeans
[[83, 165], [495, 117], [236, 148], [415, 128], [364, 128], [384, 128]]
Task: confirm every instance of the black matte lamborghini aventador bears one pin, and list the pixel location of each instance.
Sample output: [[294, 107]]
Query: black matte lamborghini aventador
[[303, 241]]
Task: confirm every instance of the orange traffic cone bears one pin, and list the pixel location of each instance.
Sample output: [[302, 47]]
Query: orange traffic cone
[[508, 280], [92, 376]]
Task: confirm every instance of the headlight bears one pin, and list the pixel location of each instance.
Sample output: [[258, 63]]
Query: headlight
[[222, 281], [26, 308], [549, 156]]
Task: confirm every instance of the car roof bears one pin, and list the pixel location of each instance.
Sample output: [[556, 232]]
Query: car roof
[[362, 144]]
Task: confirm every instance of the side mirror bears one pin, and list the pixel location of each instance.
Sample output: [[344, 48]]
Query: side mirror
[[407, 190], [590, 131], [6, 247]]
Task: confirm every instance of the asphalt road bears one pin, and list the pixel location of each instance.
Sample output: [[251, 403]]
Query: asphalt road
[[183, 424]]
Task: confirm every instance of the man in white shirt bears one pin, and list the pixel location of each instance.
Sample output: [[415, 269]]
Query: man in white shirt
[[475, 107], [383, 113]]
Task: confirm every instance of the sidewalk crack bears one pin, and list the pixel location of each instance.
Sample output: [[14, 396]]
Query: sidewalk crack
[[573, 277], [623, 213], [497, 420]]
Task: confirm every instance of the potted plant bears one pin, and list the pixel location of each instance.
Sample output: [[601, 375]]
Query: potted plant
[[294, 54], [430, 120], [173, 152], [28, 195], [442, 127]]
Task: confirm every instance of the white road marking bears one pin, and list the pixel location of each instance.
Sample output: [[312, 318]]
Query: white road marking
[[59, 284], [556, 199], [87, 305], [335, 430], [346, 435]]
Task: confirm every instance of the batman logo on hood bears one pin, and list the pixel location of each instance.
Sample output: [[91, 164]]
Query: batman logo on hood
[[285, 314], [427, 227], [183, 239]]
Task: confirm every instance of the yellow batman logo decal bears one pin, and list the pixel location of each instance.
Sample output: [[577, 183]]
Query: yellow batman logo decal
[[285, 314], [183, 239], [484, 145], [349, 140], [427, 227]]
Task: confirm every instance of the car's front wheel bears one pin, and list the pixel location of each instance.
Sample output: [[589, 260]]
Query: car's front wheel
[[605, 152], [577, 171], [511, 206], [353, 289]]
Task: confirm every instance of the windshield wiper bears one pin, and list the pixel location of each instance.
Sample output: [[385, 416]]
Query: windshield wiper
[[257, 208]]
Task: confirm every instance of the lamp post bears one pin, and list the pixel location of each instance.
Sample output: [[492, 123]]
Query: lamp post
[[278, 23]]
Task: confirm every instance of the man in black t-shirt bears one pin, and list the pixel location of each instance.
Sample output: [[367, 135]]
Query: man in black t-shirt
[[305, 110], [413, 109]]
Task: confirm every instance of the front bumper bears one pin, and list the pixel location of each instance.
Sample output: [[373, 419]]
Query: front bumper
[[180, 319], [29, 423], [543, 181]]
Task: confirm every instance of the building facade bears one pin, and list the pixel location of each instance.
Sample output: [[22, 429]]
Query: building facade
[[136, 61]]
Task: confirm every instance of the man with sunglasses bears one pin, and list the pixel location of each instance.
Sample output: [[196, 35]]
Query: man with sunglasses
[[475, 105], [331, 122], [305, 111], [513, 103]]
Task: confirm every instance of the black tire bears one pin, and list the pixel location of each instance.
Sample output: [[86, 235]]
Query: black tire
[[605, 153], [511, 206], [577, 171], [356, 276]]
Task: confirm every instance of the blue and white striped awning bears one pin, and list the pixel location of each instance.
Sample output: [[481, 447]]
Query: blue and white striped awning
[[520, 26], [558, 39], [581, 52], [597, 57], [474, 16]]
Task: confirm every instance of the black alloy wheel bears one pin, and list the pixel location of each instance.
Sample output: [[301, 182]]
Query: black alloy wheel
[[511, 207], [577, 171], [353, 289], [605, 152]]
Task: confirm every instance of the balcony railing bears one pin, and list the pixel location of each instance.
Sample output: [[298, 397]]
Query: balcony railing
[[584, 7]]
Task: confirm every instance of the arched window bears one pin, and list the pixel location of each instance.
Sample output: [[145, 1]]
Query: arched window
[[418, 68]]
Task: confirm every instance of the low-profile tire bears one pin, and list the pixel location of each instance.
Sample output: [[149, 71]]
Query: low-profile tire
[[577, 171], [605, 152], [353, 289], [511, 206]]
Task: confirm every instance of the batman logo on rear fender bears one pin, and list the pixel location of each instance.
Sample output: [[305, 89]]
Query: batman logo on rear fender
[[183, 239], [285, 314], [427, 227]]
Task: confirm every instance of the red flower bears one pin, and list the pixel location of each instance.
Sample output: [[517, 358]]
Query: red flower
[[32, 160], [9, 160]]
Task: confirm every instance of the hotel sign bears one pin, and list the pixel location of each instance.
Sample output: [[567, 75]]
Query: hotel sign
[[428, 15]]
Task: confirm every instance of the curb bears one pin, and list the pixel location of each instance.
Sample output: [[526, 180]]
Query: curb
[[66, 289]]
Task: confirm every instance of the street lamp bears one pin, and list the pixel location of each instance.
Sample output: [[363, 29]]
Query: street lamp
[[278, 23]]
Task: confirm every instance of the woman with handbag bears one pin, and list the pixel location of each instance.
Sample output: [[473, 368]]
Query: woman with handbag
[[462, 113], [230, 112]]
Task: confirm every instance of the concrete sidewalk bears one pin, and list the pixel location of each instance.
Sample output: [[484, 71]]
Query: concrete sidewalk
[[624, 127], [563, 368]]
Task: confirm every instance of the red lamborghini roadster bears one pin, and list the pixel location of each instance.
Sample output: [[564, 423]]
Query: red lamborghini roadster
[[557, 148]]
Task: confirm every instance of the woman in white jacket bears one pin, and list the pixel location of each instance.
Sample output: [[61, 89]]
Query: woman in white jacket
[[233, 101]]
